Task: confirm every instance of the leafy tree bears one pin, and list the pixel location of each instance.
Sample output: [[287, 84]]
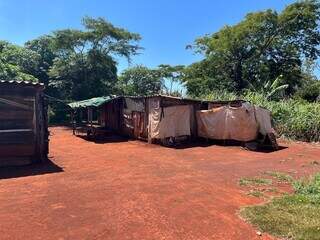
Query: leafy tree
[[17, 63], [43, 46], [140, 80], [261, 47], [173, 74], [85, 62]]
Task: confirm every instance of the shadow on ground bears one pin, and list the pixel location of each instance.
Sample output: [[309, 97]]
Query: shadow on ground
[[208, 143], [30, 170], [105, 139]]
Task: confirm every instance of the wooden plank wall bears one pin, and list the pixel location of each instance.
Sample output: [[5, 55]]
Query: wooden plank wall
[[23, 123]]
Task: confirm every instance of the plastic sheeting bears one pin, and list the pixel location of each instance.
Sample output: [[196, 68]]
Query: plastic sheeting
[[236, 123], [263, 117], [169, 121]]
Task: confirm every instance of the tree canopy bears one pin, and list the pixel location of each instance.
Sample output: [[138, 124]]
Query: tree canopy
[[140, 80], [17, 63], [85, 65], [260, 48]]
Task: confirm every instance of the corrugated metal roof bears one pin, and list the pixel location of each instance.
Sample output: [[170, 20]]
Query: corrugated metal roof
[[92, 102], [22, 83]]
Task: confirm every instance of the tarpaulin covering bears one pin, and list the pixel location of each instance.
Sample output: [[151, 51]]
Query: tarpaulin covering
[[226, 122], [263, 117], [92, 102], [169, 121]]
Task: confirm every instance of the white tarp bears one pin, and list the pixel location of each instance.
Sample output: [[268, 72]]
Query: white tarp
[[236, 123], [169, 121]]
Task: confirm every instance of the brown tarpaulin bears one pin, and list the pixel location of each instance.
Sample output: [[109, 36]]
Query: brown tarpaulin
[[236, 123]]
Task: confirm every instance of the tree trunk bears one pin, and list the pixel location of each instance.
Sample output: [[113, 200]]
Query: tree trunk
[[238, 78]]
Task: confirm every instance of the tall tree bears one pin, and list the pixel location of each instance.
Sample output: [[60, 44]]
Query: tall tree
[[260, 48], [85, 62], [140, 80], [43, 46]]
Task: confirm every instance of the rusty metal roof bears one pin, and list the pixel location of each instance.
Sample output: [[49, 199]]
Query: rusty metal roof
[[22, 83]]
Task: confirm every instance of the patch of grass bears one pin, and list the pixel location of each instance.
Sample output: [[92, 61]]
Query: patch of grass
[[281, 177], [271, 190], [292, 216], [254, 181], [256, 193]]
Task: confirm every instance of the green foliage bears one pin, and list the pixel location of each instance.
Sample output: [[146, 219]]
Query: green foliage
[[254, 181], [261, 47], [43, 46], [274, 90], [309, 186], [85, 65], [256, 193], [310, 92], [173, 74], [140, 80], [294, 216], [17, 63], [281, 177]]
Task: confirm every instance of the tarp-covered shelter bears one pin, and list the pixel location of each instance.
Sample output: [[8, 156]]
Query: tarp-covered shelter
[[159, 117], [23, 123], [244, 122]]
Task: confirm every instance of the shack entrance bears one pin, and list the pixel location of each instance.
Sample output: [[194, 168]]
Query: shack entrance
[[138, 119]]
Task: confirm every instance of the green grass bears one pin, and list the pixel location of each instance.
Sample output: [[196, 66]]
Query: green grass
[[281, 177], [256, 193], [254, 181], [292, 216]]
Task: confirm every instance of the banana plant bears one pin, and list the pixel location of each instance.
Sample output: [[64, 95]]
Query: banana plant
[[275, 89]]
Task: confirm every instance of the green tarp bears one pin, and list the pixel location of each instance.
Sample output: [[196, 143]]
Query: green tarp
[[92, 102]]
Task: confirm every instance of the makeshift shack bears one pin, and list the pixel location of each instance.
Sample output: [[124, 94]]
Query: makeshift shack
[[148, 118], [167, 119], [92, 116], [159, 117], [240, 121], [23, 123]]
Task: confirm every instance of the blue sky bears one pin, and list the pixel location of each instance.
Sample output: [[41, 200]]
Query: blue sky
[[166, 26]]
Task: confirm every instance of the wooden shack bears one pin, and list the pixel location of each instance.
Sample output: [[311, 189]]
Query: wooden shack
[[23, 123]]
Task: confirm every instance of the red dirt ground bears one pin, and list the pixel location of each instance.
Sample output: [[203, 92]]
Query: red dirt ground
[[133, 190]]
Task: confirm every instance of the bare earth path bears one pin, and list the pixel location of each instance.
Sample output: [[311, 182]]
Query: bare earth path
[[132, 190]]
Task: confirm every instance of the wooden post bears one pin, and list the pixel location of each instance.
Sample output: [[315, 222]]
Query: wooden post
[[73, 122]]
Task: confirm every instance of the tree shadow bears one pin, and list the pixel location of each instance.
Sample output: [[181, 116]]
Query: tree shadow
[[33, 169]]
